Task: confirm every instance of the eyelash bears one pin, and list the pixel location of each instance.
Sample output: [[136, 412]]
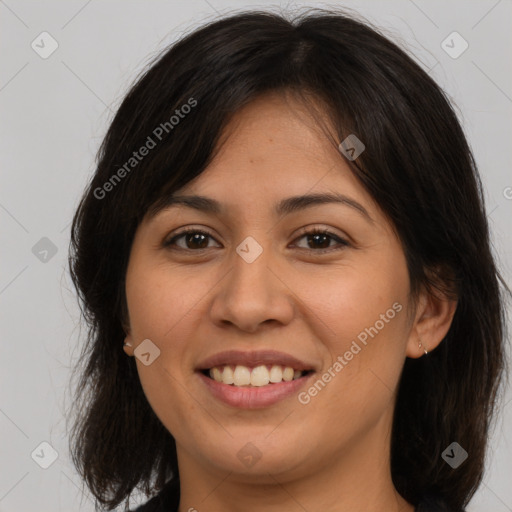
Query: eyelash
[[315, 231]]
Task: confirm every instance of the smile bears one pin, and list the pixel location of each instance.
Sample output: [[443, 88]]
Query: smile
[[258, 376], [253, 379]]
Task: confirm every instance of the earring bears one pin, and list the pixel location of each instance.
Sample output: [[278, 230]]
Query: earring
[[420, 344], [126, 344]]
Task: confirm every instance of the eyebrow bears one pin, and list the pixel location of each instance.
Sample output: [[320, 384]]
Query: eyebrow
[[284, 207]]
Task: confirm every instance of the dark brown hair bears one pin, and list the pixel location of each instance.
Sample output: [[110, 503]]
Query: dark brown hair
[[418, 167]]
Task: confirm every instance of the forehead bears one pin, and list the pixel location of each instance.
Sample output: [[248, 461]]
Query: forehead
[[273, 146], [274, 159]]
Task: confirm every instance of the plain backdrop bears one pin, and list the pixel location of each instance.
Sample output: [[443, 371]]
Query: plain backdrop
[[54, 113]]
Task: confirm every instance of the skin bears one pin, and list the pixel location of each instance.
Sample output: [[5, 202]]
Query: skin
[[333, 453]]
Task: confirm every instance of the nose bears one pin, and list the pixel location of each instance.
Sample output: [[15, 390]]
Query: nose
[[252, 294]]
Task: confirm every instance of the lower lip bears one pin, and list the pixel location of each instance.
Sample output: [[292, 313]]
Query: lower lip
[[246, 397]]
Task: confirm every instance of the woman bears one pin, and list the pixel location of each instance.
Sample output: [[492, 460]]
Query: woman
[[286, 234]]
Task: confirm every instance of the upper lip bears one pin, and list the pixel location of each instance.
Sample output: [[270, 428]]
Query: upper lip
[[252, 359]]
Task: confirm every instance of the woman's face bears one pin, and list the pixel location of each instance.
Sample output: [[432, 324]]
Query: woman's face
[[256, 283]]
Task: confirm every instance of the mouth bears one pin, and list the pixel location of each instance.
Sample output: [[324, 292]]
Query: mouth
[[258, 376], [253, 379]]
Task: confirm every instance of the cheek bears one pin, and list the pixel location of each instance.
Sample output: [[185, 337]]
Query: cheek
[[157, 301], [362, 312], [357, 303], [155, 310]]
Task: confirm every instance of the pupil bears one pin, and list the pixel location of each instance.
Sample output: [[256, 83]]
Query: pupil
[[319, 235], [192, 239]]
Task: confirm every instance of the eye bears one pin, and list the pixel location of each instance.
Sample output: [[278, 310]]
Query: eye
[[194, 239], [321, 239], [318, 240]]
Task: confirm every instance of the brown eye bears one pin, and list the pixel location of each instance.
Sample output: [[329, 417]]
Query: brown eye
[[193, 240], [319, 240]]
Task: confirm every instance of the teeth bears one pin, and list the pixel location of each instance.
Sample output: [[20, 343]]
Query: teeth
[[276, 374], [256, 377], [260, 376], [227, 375], [288, 374], [215, 374], [242, 376]]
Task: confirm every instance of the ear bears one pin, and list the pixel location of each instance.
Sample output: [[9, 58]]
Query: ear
[[125, 323], [434, 314], [128, 340], [128, 345]]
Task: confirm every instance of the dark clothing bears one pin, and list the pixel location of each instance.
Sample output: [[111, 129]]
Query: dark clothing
[[167, 500]]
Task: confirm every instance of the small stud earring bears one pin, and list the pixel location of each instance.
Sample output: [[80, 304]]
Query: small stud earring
[[126, 344], [420, 344]]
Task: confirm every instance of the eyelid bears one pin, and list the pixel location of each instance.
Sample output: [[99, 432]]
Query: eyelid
[[342, 240], [180, 232]]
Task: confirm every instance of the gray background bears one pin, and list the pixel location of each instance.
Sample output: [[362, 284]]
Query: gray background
[[54, 113]]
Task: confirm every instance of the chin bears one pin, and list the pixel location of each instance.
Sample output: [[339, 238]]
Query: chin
[[254, 455]]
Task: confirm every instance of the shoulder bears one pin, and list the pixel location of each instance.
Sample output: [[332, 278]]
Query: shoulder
[[166, 500], [433, 503]]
